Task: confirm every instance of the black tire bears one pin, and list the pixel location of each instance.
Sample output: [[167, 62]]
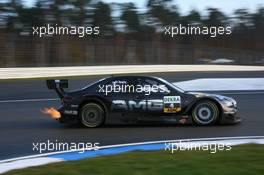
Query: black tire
[[205, 112], [92, 115]]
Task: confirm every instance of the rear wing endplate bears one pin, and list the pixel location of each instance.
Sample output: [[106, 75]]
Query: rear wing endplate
[[58, 86]]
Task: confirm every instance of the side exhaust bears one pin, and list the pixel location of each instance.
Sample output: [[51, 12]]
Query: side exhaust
[[58, 86], [52, 112]]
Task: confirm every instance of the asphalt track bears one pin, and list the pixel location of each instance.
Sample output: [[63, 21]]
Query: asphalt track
[[22, 123]]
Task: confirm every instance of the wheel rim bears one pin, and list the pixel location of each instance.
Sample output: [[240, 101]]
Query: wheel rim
[[92, 115], [205, 113]]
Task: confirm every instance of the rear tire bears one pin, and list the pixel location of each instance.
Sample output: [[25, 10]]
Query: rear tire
[[92, 115], [205, 112]]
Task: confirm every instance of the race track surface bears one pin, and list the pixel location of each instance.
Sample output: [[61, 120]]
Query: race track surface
[[22, 122]]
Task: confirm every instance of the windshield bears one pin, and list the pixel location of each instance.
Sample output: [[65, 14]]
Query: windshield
[[96, 82]]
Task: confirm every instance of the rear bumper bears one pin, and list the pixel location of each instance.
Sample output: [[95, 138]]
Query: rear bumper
[[68, 115]]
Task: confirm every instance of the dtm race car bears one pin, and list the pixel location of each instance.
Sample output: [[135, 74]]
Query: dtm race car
[[136, 99]]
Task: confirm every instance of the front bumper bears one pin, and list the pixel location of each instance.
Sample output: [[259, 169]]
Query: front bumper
[[229, 115], [230, 119]]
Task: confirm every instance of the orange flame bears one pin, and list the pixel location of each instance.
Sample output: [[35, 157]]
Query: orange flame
[[55, 114]]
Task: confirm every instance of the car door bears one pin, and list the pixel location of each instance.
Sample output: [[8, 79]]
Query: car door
[[122, 97], [162, 99]]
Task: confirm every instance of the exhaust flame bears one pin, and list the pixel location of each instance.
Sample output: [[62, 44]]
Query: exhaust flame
[[52, 112]]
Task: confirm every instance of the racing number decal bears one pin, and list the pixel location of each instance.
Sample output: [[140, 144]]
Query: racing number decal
[[172, 104]]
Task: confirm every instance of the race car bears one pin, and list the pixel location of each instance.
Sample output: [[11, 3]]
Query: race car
[[137, 99]]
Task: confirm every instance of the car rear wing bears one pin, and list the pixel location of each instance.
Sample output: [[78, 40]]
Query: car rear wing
[[58, 86]]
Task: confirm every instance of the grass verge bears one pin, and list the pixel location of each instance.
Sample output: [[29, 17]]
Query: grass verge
[[243, 159]]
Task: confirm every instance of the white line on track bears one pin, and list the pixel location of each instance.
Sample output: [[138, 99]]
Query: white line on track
[[29, 100], [222, 84], [234, 86], [56, 99], [241, 93]]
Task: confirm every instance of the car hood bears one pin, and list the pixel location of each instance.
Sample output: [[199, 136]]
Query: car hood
[[203, 94]]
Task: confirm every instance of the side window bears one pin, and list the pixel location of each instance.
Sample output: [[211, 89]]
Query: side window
[[152, 86], [122, 86], [117, 85]]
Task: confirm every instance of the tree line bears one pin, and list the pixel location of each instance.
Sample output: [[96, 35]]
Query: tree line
[[15, 16], [130, 32]]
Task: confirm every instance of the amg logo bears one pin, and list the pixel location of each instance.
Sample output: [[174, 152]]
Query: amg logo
[[152, 105]]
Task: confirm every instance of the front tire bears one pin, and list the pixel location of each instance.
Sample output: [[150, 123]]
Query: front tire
[[205, 112], [92, 115]]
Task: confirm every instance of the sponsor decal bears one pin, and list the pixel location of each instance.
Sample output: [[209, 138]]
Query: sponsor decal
[[183, 121], [144, 105], [74, 106], [70, 112], [172, 104], [169, 104]]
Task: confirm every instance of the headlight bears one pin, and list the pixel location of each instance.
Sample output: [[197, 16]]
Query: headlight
[[227, 101]]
